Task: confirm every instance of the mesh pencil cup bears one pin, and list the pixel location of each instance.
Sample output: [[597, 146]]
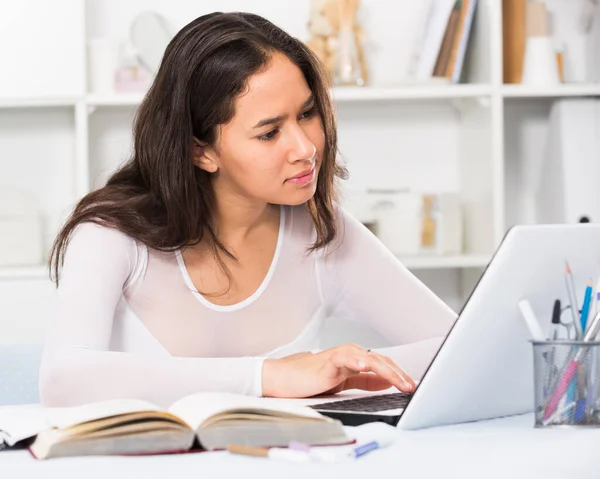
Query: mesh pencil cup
[[566, 383]]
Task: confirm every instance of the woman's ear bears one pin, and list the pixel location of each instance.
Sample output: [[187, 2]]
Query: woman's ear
[[203, 156]]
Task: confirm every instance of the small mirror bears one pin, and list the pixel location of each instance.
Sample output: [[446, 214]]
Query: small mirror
[[150, 34]]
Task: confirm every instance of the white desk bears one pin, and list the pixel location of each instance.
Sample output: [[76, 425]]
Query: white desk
[[503, 448]]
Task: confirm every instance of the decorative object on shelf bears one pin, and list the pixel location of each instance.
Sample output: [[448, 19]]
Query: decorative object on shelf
[[103, 62], [20, 228], [131, 75], [408, 222], [397, 215], [540, 67], [337, 40], [320, 26], [150, 33], [442, 224], [347, 65], [513, 39]]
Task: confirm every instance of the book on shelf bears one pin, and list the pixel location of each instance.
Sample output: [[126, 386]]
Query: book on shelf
[[513, 39], [446, 49], [432, 36], [455, 68], [444, 40], [203, 421]]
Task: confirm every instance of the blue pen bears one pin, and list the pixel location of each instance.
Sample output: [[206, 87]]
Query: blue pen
[[587, 301], [370, 446]]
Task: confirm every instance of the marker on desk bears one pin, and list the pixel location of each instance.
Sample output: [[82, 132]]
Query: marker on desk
[[532, 323], [371, 446], [555, 324], [585, 309]]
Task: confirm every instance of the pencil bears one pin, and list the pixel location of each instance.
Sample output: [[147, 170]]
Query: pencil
[[573, 300], [248, 451]]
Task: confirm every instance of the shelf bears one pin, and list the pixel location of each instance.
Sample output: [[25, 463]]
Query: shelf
[[23, 272], [341, 94], [38, 102], [411, 92], [445, 262], [347, 94], [564, 90]]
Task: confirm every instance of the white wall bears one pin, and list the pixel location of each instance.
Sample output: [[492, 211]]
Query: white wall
[[41, 48]]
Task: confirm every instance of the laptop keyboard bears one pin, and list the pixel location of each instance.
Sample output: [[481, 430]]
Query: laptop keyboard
[[380, 402]]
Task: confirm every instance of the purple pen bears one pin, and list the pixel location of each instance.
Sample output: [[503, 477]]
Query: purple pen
[[370, 446]]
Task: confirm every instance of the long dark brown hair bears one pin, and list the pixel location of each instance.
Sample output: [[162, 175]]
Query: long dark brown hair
[[159, 197]]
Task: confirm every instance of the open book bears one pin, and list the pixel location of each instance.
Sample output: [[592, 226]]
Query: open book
[[201, 421]]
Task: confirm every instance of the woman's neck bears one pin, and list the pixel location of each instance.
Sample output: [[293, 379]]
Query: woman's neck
[[237, 218]]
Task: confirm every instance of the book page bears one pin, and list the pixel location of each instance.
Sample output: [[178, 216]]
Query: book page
[[21, 422], [69, 416], [197, 408]]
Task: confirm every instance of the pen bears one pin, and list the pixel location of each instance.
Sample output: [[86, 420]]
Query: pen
[[572, 299], [571, 369], [282, 454], [585, 309], [555, 321], [596, 297], [370, 446], [555, 325]]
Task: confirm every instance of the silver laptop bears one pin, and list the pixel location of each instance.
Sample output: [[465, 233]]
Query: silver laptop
[[484, 368]]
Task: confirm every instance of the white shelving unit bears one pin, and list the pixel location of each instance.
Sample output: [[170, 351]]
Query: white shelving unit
[[448, 133]]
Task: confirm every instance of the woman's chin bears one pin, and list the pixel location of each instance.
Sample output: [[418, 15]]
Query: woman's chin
[[299, 197]]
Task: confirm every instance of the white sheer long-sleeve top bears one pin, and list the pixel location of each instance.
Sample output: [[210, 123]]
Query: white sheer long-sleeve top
[[128, 322]]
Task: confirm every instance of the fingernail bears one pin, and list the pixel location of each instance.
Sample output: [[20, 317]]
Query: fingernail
[[361, 365]]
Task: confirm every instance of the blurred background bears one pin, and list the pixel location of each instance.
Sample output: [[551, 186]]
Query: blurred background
[[457, 119]]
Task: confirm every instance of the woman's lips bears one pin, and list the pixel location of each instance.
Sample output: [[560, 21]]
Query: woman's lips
[[304, 177]]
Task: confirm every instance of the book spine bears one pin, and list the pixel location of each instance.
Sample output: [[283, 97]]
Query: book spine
[[513, 37], [446, 49], [464, 41], [457, 38], [436, 24]]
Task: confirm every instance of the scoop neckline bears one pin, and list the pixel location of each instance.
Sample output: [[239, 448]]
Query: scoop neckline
[[254, 296]]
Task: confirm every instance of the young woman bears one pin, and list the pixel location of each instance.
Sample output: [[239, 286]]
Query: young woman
[[211, 259]]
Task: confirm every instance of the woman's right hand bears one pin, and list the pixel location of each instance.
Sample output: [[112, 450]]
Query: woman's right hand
[[331, 371]]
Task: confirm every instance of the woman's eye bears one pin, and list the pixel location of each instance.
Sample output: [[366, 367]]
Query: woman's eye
[[269, 135], [309, 113]]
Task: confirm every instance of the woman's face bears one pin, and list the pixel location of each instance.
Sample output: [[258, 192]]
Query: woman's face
[[271, 150]]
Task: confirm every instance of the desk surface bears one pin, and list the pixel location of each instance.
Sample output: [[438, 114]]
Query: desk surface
[[501, 448]]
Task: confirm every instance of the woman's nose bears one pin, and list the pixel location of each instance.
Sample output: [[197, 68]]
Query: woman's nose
[[302, 149]]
